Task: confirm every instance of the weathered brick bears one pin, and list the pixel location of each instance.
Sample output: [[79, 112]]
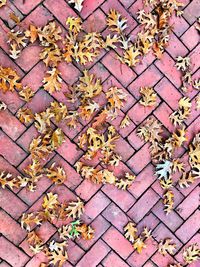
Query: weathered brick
[[113, 260]]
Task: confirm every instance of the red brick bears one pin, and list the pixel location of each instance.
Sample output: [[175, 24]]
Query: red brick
[[162, 261], [143, 205], [100, 225], [10, 228], [118, 242], [5, 13], [189, 204], [40, 101], [140, 159], [124, 149], [69, 72], [37, 259], [27, 6], [29, 57], [87, 189], [162, 113], [67, 146], [167, 66], [96, 22], [115, 216], [135, 140], [11, 203], [74, 252], [89, 6], [11, 125], [145, 62], [172, 220], [185, 232], [60, 10], [25, 139], [7, 167], [180, 25], [111, 62], [195, 57], [3, 35], [95, 206], [148, 78], [141, 183], [12, 254], [150, 221], [127, 3], [137, 260], [12, 100], [122, 198], [113, 260], [7, 146], [168, 92], [35, 76], [91, 258]]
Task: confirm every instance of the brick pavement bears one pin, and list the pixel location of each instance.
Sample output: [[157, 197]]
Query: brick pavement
[[107, 208]]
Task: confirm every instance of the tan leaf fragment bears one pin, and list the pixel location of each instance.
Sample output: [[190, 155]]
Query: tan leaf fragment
[[149, 96], [191, 253], [166, 246]]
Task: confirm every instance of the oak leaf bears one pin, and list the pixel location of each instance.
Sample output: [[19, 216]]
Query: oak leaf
[[168, 201], [78, 4], [51, 56], [139, 245], [56, 174], [14, 51], [59, 111], [25, 115], [56, 253], [32, 33], [3, 106], [75, 25], [69, 231], [35, 242], [130, 56], [166, 246], [191, 253], [52, 82], [42, 120], [130, 232], [116, 22], [9, 80], [149, 97], [75, 209], [26, 94], [164, 169], [3, 2], [49, 34], [182, 63], [87, 232], [125, 183], [125, 122], [30, 220], [186, 180]]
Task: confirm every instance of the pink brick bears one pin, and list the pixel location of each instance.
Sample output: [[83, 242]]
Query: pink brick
[[127, 3], [172, 220], [176, 47], [115, 216], [168, 92], [143, 205], [195, 57], [122, 198], [162, 113], [12, 254], [96, 22], [87, 189], [162, 261], [111, 62], [114, 260], [95, 206], [137, 260], [124, 149], [191, 37], [100, 225], [140, 159], [148, 78], [74, 252], [141, 183], [89, 6], [92, 258], [10, 228], [185, 232], [118, 242], [5, 14], [40, 101], [189, 204], [167, 66], [180, 25], [69, 72]]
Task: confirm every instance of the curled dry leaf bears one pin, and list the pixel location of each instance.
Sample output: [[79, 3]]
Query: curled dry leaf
[[56, 253], [130, 232], [30, 220], [116, 22], [32, 33], [166, 246], [51, 56], [3, 2], [125, 122], [3, 106], [26, 94], [53, 81], [56, 174], [191, 253], [9, 80], [168, 201], [35, 242], [139, 245], [149, 97], [75, 209], [182, 63], [25, 115], [78, 4]]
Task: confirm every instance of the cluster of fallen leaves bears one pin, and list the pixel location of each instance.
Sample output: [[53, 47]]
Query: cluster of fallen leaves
[[166, 246], [83, 48], [68, 215]]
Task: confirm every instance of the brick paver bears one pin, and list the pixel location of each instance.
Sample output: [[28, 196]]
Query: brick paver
[[106, 208]]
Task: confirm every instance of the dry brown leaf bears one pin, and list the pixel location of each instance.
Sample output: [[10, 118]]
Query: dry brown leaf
[[30, 220], [32, 33], [125, 122], [26, 94], [56, 174], [168, 201], [116, 22], [14, 51], [9, 80], [130, 56], [125, 183], [166, 246], [3, 2], [149, 96], [75, 209], [59, 111], [53, 81], [191, 253], [182, 63], [14, 17], [35, 242], [139, 245], [51, 56], [25, 115], [75, 25], [179, 137], [130, 232], [56, 253], [49, 34]]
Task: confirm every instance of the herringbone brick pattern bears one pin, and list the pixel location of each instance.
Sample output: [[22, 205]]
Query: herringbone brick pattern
[[107, 208]]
